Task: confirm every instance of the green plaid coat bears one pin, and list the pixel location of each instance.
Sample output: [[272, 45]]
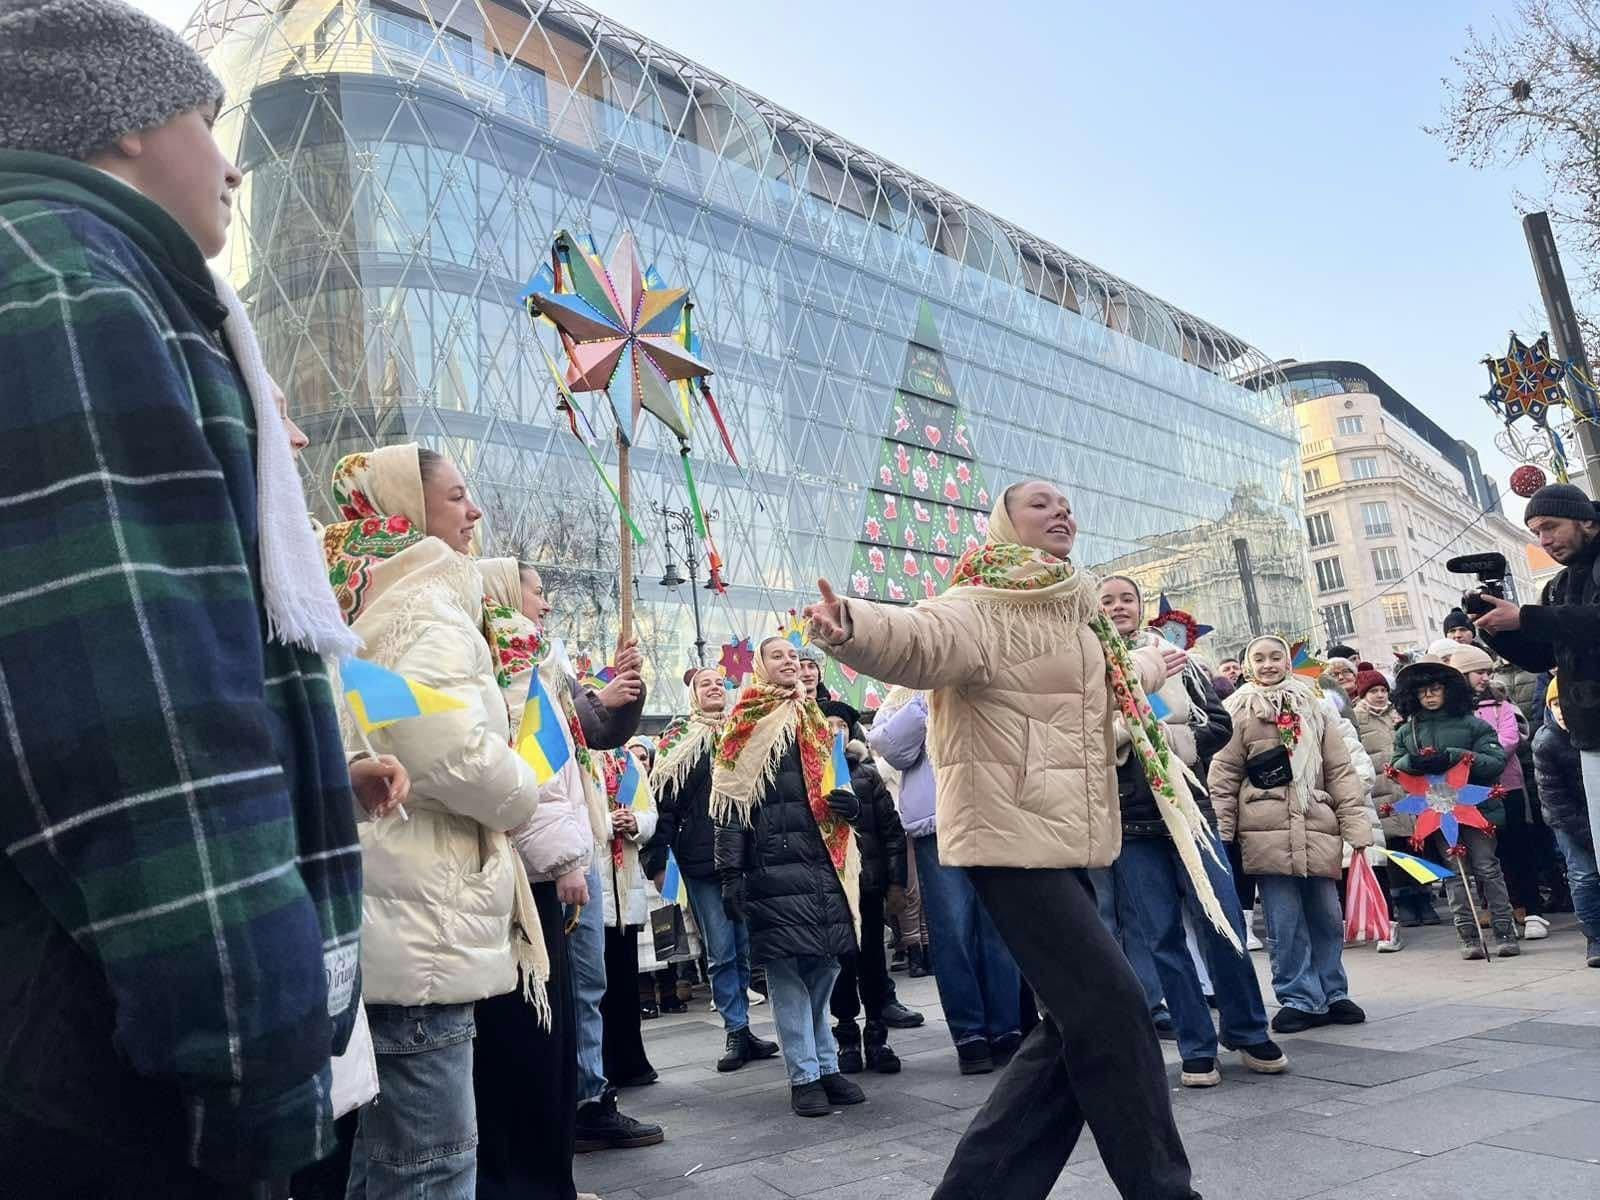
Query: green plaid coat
[[180, 890]]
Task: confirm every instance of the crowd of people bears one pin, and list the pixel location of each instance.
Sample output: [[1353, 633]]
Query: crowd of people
[[260, 946]]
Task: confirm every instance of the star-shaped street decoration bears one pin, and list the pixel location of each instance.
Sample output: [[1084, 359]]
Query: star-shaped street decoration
[[622, 336], [1178, 627], [1443, 803], [1526, 382]]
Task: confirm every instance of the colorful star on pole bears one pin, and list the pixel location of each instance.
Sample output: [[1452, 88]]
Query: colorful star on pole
[[1177, 626], [738, 657], [622, 336], [1303, 662], [1443, 803]]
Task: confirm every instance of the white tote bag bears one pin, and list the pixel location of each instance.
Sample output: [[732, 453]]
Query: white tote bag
[[355, 1072]]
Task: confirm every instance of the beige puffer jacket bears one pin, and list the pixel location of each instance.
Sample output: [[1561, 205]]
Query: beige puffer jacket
[[1273, 838], [439, 888], [1377, 735], [1020, 721]]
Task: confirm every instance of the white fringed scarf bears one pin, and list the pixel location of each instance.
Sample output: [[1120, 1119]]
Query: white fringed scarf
[[301, 609]]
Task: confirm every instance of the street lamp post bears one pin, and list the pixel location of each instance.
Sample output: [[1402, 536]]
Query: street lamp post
[[682, 519]]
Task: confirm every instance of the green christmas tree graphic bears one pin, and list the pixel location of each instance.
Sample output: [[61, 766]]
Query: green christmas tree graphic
[[928, 504]]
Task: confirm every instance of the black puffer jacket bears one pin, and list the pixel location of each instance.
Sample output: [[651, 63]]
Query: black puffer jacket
[[878, 830], [1562, 633], [1140, 816], [685, 823], [1560, 773], [794, 902]]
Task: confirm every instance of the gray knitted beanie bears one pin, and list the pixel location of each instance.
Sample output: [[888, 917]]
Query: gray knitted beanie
[[75, 75]]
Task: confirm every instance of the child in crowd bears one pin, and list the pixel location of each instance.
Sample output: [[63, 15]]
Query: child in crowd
[[1437, 730], [1285, 787]]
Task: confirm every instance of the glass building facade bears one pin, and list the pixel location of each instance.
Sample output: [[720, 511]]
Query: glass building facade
[[406, 165]]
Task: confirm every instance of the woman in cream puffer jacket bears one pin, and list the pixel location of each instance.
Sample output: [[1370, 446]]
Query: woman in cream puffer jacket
[[448, 917], [439, 887]]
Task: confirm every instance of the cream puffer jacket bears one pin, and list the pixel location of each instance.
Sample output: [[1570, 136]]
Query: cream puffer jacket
[[1020, 720], [626, 879], [439, 887]]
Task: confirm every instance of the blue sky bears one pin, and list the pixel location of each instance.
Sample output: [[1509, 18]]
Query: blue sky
[[1262, 165]]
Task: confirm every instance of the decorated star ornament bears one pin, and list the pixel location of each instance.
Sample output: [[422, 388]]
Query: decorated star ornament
[[1178, 627], [738, 657], [1526, 382], [1303, 662], [627, 334], [1443, 803], [622, 337]]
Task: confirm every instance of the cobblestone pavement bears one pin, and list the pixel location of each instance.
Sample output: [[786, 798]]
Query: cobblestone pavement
[[1468, 1079]]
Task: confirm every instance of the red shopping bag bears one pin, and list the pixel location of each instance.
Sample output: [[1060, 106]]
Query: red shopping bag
[[1366, 909]]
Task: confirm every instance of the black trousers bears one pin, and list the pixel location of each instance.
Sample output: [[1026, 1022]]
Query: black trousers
[[621, 1036], [1518, 845], [1093, 1059], [864, 975], [1244, 884], [525, 1080]]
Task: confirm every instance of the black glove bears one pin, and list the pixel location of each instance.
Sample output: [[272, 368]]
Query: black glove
[[844, 804], [733, 897], [1436, 763]]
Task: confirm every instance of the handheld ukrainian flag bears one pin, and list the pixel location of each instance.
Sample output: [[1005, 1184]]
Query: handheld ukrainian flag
[[836, 771], [542, 736], [379, 698], [631, 792], [1159, 708], [674, 888], [1419, 869]]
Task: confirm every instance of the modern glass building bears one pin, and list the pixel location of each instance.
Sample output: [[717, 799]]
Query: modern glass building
[[407, 164]]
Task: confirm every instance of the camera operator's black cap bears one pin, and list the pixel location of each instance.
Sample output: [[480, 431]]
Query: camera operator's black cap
[[1562, 500]]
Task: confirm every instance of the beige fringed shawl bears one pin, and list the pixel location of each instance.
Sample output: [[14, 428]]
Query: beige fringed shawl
[[765, 722]]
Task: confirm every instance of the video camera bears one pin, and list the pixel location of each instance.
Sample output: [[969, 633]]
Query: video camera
[[1491, 571]]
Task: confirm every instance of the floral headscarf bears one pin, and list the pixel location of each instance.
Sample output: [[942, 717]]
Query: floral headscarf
[[767, 719], [379, 495]]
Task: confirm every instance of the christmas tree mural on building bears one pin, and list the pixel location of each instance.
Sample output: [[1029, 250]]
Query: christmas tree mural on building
[[928, 504]]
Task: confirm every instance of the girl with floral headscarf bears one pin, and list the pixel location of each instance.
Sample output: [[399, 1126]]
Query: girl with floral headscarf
[[788, 863], [1286, 788], [1025, 676], [448, 915]]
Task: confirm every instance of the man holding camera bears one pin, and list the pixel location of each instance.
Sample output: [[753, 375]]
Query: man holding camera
[[1562, 631]]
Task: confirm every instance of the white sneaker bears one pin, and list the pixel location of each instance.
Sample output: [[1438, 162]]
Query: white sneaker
[[1536, 929], [1252, 942], [1392, 945], [755, 997]]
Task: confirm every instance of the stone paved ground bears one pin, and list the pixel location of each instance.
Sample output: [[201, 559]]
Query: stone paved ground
[[1467, 1080]]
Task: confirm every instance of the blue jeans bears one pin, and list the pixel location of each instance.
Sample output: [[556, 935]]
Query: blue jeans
[[1305, 937], [420, 1136], [980, 987], [800, 989], [1154, 888], [1117, 915], [727, 953], [586, 948], [1583, 878]]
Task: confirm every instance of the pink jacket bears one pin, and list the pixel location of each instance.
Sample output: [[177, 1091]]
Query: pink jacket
[[1501, 715]]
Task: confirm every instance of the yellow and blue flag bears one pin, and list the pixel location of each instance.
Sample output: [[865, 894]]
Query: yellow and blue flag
[[631, 792], [542, 736], [1419, 869], [674, 888], [836, 771], [379, 697]]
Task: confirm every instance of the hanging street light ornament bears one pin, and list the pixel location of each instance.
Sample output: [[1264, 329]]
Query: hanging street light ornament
[[1529, 382]]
